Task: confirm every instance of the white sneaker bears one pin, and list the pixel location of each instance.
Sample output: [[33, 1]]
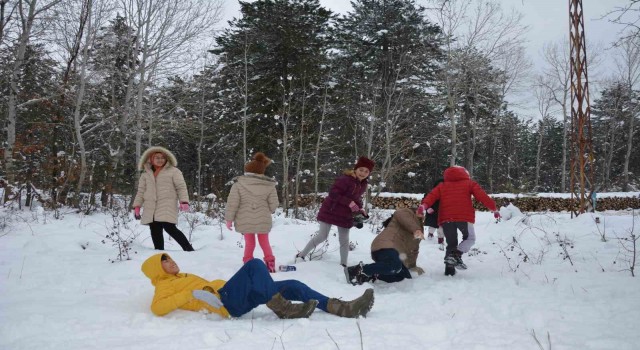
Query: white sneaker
[[441, 247]]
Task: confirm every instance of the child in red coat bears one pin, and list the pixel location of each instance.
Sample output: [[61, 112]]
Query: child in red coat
[[456, 212]]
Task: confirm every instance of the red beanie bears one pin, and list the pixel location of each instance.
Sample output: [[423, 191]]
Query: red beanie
[[364, 162]]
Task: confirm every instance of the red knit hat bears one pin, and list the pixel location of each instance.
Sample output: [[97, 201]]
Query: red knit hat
[[258, 165], [364, 162]]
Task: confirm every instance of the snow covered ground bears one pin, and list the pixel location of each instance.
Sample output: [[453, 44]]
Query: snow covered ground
[[536, 277]]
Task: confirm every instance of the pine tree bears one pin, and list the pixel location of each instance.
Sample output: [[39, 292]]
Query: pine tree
[[276, 55], [388, 54], [37, 78], [610, 123]]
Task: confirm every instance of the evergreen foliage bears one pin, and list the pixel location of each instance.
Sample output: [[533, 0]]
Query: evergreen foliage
[[312, 90]]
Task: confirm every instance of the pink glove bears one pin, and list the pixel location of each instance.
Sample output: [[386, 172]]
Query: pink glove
[[354, 207], [136, 213], [430, 211], [229, 224], [496, 214], [184, 206], [420, 210]]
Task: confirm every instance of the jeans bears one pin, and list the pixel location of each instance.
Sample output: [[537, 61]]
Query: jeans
[[252, 285], [387, 266]]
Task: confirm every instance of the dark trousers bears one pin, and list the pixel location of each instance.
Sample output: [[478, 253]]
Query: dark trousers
[[387, 266], [252, 285], [173, 231], [450, 230]]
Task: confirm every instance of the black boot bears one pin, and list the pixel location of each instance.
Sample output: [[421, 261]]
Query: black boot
[[449, 264], [356, 276], [459, 263]]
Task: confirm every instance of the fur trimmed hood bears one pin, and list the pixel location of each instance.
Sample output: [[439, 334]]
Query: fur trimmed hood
[[144, 159]]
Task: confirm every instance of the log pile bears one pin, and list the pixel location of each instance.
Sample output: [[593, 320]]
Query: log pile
[[524, 203]]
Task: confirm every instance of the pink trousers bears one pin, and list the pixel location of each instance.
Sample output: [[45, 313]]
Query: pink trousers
[[250, 246]]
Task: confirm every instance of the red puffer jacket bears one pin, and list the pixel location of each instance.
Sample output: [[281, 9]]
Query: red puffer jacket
[[455, 197]]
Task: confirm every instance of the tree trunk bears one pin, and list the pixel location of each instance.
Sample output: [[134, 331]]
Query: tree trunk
[[285, 168], [316, 157], [23, 41], [245, 106], [454, 132], [296, 190], [627, 156], [608, 157], [474, 131], [76, 114], [563, 172], [3, 23], [536, 186]]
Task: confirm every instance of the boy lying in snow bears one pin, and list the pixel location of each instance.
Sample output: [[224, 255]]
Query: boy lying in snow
[[249, 287]]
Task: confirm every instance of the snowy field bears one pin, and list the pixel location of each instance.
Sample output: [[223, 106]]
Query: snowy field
[[536, 281]]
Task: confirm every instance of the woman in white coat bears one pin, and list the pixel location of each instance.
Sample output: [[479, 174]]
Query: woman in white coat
[[160, 188]]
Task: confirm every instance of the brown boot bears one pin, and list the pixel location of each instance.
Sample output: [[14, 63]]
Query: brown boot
[[286, 309], [354, 308]]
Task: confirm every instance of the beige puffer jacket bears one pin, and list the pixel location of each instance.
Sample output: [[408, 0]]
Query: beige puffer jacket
[[399, 235], [159, 195], [252, 200]]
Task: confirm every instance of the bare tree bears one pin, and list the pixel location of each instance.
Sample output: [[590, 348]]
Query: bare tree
[[627, 62], [544, 100], [477, 25], [166, 30], [328, 83], [515, 68], [95, 11], [557, 80], [449, 16], [29, 12], [628, 16], [5, 17], [306, 95], [284, 119]]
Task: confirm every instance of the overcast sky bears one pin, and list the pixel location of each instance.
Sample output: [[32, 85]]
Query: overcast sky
[[548, 21]]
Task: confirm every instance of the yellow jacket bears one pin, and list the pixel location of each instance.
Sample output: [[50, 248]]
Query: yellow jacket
[[175, 291]]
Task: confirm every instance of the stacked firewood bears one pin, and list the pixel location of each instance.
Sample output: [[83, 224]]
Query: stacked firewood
[[394, 202], [524, 203], [564, 204]]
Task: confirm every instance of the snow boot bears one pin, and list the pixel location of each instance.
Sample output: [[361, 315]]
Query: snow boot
[[356, 276], [287, 310], [459, 263], [354, 308], [449, 264]]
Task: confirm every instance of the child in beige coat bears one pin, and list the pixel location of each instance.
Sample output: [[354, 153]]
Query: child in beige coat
[[160, 188], [252, 200]]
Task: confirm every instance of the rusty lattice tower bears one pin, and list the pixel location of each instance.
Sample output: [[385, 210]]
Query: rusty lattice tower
[[581, 183]]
